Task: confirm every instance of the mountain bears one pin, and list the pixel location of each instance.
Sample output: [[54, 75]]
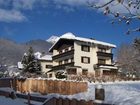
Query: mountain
[[12, 52], [52, 39], [39, 45]]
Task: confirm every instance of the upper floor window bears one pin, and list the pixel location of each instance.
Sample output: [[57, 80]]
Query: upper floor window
[[60, 62], [66, 50], [72, 59], [85, 48], [85, 59], [66, 61], [102, 49], [60, 52], [101, 61], [72, 47]]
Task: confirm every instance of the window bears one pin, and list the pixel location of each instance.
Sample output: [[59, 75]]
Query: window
[[101, 61], [66, 61], [72, 60], [102, 49], [85, 59], [48, 66], [85, 48], [72, 71], [60, 62], [72, 47], [66, 50], [84, 71], [60, 52], [50, 75]]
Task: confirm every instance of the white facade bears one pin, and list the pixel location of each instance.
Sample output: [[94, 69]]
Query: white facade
[[46, 63], [84, 55]]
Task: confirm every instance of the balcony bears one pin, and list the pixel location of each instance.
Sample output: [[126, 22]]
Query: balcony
[[63, 66], [104, 65], [104, 54], [71, 52]]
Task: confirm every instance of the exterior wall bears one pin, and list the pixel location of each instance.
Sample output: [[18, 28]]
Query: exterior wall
[[79, 53], [55, 52], [43, 66]]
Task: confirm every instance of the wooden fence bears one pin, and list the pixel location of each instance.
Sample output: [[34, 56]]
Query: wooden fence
[[44, 86], [6, 82], [66, 101]]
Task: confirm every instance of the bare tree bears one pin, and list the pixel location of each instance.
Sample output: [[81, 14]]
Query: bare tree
[[128, 58], [131, 14]]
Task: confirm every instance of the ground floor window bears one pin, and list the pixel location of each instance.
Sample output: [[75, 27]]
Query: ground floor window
[[97, 73], [85, 72], [111, 72], [72, 71], [50, 75]]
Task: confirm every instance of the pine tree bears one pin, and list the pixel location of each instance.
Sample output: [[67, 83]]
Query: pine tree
[[30, 63]]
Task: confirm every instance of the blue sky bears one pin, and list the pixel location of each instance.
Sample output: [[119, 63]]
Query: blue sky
[[24, 20]]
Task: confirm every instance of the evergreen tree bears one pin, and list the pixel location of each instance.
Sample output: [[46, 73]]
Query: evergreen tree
[[30, 63]]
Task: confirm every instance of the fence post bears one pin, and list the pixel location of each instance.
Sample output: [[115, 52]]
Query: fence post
[[15, 83], [99, 93], [66, 101], [73, 102], [29, 98]]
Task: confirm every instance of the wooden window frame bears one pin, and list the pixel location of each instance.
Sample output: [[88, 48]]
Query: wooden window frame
[[84, 71], [84, 49], [84, 57], [101, 61]]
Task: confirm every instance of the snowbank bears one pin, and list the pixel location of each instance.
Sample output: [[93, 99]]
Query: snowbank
[[119, 93]]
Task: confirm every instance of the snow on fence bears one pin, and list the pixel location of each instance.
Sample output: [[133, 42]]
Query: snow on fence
[[45, 86], [66, 101]]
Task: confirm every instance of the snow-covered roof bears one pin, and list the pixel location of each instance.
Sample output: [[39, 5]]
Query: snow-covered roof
[[46, 57], [37, 55], [71, 36], [20, 65], [108, 67]]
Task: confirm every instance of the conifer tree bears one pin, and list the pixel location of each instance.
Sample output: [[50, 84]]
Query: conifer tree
[[30, 63]]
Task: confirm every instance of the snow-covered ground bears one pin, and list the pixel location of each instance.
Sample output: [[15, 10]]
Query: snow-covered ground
[[9, 101], [118, 93]]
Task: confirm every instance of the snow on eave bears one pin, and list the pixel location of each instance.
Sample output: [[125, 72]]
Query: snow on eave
[[71, 36], [67, 35], [46, 57], [95, 42], [109, 67], [50, 50]]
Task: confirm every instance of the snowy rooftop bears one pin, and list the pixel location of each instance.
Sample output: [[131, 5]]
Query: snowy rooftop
[[71, 36], [46, 57]]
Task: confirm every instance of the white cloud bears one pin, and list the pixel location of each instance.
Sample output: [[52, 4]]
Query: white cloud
[[76, 3], [12, 10], [23, 4], [72, 2], [11, 16]]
